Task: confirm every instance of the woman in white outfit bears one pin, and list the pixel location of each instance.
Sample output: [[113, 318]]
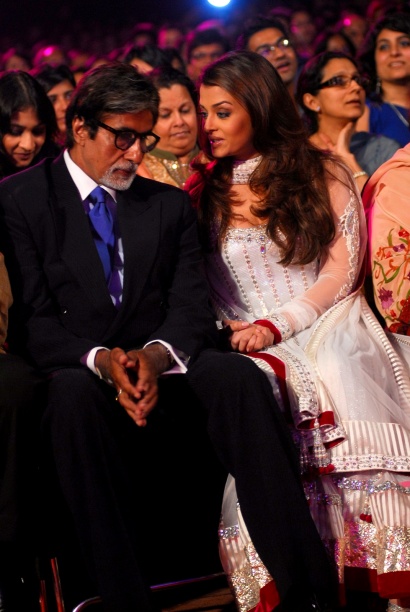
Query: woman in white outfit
[[284, 235]]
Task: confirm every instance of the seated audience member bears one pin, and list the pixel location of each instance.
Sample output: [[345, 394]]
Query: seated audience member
[[333, 40], [354, 26], [331, 92], [145, 57], [385, 58], [27, 123], [170, 36], [21, 402], [303, 31], [175, 58], [58, 83], [268, 37], [144, 33], [105, 310], [202, 47], [12, 59], [49, 54], [78, 58], [176, 126]]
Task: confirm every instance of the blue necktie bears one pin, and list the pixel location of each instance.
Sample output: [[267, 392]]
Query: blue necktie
[[102, 220]]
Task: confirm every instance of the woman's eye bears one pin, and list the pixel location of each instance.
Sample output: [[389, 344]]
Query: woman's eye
[[405, 43], [223, 114], [15, 131]]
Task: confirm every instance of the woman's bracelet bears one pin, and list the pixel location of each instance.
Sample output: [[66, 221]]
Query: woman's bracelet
[[361, 173]]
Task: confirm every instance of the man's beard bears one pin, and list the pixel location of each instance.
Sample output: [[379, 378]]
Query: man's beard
[[114, 180]]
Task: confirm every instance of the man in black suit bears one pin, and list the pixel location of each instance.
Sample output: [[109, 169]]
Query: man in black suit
[[106, 346]]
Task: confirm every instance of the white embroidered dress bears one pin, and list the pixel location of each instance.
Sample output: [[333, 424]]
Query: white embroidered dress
[[346, 389]]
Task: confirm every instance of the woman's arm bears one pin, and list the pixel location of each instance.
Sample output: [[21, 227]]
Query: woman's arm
[[340, 264]]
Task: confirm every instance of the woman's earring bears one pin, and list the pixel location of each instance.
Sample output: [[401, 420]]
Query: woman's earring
[[378, 86], [318, 109]]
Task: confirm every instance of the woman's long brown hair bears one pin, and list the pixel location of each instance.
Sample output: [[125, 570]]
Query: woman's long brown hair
[[290, 182]]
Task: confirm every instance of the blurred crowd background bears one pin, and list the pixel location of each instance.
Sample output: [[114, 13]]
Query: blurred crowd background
[[99, 28]]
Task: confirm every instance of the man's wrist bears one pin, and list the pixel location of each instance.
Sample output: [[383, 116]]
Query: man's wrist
[[99, 369]]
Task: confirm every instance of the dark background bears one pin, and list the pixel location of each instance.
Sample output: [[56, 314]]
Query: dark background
[[21, 19]]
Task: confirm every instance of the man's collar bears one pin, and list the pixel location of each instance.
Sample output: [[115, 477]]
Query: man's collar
[[84, 183]]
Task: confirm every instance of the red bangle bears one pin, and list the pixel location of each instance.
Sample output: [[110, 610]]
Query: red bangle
[[277, 336]]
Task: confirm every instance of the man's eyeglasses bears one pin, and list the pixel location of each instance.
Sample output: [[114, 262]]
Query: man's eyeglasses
[[124, 139], [344, 81], [282, 43]]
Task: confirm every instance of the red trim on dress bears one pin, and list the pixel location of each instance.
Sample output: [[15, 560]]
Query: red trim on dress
[[269, 598]]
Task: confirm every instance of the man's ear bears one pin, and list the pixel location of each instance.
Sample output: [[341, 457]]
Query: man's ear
[[80, 130], [311, 102]]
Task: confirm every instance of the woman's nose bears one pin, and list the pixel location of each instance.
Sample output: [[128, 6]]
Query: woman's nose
[[27, 140]]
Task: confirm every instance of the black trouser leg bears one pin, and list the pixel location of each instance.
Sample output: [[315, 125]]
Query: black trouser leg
[[253, 442]]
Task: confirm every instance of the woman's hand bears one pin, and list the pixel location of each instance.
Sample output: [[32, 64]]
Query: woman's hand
[[247, 337]]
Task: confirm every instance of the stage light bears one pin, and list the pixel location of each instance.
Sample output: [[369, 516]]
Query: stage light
[[219, 3]]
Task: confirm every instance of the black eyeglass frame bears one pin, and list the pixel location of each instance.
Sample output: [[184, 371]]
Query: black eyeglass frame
[[141, 137], [362, 81]]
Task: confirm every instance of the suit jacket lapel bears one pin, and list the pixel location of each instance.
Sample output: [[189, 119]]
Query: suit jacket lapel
[[139, 223], [77, 246]]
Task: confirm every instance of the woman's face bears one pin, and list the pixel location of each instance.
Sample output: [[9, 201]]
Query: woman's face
[[226, 123], [60, 95], [177, 124], [339, 102], [25, 138], [17, 62], [392, 55]]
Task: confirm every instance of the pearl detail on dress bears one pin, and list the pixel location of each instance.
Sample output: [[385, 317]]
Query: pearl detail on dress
[[242, 170]]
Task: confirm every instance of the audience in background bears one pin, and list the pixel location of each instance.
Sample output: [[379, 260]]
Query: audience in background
[[385, 57], [145, 57], [49, 54], [27, 123], [331, 92], [177, 127], [354, 26], [175, 58], [333, 40], [268, 37], [12, 59], [58, 83], [203, 47], [170, 35], [303, 31], [144, 33]]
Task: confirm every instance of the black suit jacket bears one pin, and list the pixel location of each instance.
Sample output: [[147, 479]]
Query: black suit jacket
[[62, 305]]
